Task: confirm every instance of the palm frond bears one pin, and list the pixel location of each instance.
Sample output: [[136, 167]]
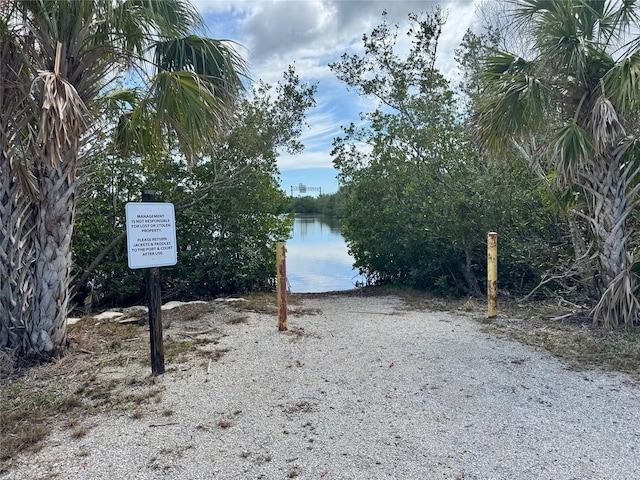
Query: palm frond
[[114, 99], [28, 181], [169, 17], [622, 83], [625, 18], [214, 60], [604, 125], [528, 9], [196, 87], [572, 34], [135, 132], [499, 63], [516, 100], [132, 23], [189, 107], [572, 148], [63, 115], [556, 24]]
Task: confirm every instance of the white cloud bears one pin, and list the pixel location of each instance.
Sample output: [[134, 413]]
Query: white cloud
[[310, 34], [309, 159]]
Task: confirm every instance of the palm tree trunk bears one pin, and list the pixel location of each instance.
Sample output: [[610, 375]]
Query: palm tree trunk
[[583, 264], [54, 228], [16, 208], [609, 211], [16, 256], [610, 208]]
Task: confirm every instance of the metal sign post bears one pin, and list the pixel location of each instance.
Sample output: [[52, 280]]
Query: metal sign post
[[151, 243]]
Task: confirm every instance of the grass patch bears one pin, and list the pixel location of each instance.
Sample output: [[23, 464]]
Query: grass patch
[[572, 338], [214, 355], [238, 320], [25, 416], [177, 350], [581, 346], [259, 302], [93, 375], [187, 313], [417, 300]]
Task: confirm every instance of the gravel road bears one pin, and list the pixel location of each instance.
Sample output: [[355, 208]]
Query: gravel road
[[361, 388]]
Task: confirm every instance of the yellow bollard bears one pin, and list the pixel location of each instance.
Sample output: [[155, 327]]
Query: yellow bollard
[[281, 285], [492, 274]]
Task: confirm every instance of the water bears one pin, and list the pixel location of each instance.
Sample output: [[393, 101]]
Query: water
[[318, 259]]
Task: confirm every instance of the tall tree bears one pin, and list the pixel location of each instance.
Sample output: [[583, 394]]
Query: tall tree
[[420, 196], [577, 96], [412, 137], [72, 50], [16, 184], [573, 270]]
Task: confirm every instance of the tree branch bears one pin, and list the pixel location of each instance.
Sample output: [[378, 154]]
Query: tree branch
[[96, 261], [187, 202]]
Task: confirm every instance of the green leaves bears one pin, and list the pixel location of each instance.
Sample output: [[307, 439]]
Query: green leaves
[[210, 58], [184, 104], [516, 99], [572, 148], [189, 99], [420, 197], [585, 118], [228, 206], [622, 83]]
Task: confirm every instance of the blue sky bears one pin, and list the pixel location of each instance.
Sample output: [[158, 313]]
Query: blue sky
[[310, 34]]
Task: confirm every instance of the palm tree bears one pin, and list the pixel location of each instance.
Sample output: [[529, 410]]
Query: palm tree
[[17, 188], [577, 97], [74, 50]]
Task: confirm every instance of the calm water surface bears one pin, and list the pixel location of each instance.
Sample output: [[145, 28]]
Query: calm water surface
[[317, 257]]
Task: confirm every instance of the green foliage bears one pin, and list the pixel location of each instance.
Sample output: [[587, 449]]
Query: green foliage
[[405, 227], [229, 208], [69, 54], [228, 242], [421, 203], [100, 219]]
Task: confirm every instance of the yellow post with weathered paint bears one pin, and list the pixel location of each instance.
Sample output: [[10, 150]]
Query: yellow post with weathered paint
[[281, 285], [492, 274]]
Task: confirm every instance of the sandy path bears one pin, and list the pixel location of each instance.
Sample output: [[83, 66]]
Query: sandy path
[[364, 390]]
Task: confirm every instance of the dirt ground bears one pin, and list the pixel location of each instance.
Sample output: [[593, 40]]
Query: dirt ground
[[106, 365]]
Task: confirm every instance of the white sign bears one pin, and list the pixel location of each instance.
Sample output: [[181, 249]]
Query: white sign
[[151, 235]]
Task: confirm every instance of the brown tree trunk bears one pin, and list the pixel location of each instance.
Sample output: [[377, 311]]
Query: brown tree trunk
[[467, 271]]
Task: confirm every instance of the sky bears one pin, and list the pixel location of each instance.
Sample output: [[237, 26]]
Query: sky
[[310, 34]]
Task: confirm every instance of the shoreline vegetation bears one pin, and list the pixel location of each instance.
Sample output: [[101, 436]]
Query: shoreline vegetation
[[331, 204]]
